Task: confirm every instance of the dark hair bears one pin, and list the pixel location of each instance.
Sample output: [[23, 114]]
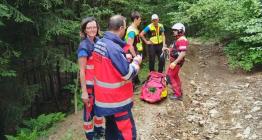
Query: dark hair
[[116, 22], [135, 15], [85, 21]]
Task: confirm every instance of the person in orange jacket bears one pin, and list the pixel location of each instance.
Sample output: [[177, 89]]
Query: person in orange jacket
[[113, 82]]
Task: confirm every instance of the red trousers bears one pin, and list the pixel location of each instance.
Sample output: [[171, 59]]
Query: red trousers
[[120, 126], [92, 123], [175, 80]]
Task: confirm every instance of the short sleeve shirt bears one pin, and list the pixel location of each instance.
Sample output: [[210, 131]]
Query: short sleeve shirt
[[181, 45]]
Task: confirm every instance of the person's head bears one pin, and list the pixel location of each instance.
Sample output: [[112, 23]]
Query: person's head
[[117, 24], [136, 18], [155, 19], [89, 27], [178, 29]]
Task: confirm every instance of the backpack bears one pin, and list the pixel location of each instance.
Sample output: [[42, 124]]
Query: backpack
[[155, 88]]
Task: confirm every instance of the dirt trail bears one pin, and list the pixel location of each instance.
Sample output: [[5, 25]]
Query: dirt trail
[[217, 105]]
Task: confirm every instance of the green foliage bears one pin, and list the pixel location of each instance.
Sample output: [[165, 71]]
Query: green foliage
[[11, 13], [4, 12], [74, 89], [61, 27], [252, 31], [144, 71], [43, 122], [237, 22], [24, 136], [8, 12], [243, 57], [29, 93], [37, 127], [7, 54]]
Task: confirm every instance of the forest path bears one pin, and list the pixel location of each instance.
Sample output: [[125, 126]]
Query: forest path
[[217, 104]]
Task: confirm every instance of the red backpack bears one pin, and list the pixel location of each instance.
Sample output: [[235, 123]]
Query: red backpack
[[155, 88]]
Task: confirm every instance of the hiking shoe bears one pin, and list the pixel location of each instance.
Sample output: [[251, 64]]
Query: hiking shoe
[[174, 97]]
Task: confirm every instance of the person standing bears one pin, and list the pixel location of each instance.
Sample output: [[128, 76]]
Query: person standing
[[133, 39], [92, 123], [113, 86], [155, 43], [177, 58]]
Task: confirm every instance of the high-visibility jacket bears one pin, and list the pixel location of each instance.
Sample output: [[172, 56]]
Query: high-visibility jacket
[[89, 71], [113, 74], [137, 41], [88, 47], [155, 33]]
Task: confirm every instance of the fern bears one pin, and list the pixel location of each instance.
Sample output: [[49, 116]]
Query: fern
[[43, 121], [37, 127], [24, 136]]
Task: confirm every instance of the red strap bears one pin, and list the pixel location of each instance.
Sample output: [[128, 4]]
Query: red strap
[[121, 114]]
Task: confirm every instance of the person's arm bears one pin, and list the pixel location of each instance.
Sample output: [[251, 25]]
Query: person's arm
[[164, 40], [83, 53], [130, 41], [182, 47], [179, 58], [82, 65], [126, 69], [142, 35]]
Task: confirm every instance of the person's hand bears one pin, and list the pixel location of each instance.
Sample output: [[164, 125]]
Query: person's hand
[[138, 58], [129, 57], [85, 98], [164, 48], [148, 42], [172, 65]]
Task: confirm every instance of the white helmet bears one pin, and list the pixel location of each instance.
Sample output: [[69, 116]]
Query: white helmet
[[179, 27], [154, 16]]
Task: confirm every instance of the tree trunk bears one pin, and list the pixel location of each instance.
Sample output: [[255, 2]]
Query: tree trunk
[[75, 94], [53, 90]]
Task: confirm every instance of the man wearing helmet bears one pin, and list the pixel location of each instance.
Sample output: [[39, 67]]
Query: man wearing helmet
[[156, 42], [177, 58]]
